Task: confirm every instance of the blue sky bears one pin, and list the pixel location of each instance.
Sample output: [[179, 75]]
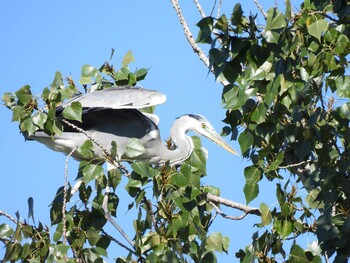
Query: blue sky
[[39, 38]]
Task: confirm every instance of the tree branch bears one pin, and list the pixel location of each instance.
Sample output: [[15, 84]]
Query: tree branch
[[150, 212], [3, 213], [200, 9], [107, 155], [191, 40], [189, 35], [260, 8], [64, 205], [214, 200], [112, 221]]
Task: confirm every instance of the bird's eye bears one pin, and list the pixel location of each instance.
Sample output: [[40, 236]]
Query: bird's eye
[[203, 125]]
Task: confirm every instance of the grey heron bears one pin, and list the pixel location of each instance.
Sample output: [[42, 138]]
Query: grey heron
[[114, 115]]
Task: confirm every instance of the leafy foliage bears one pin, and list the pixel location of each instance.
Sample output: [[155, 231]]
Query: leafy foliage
[[287, 97], [173, 219], [288, 87]]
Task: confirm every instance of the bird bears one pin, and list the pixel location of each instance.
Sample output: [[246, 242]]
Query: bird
[[114, 114]]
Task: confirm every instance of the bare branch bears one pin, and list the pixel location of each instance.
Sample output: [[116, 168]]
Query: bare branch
[[107, 155], [219, 9], [111, 220], [260, 8], [220, 212], [294, 164], [200, 9], [3, 213], [64, 205], [192, 42], [150, 212], [189, 35], [117, 242], [213, 199]]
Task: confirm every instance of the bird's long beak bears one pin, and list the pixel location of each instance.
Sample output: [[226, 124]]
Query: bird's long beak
[[221, 142]]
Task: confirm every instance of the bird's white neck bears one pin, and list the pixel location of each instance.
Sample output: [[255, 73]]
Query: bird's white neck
[[183, 143]]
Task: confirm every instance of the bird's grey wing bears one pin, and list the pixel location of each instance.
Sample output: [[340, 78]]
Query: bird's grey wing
[[128, 123], [124, 97]]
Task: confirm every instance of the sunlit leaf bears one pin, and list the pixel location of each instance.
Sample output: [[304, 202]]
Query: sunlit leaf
[[266, 217], [317, 28], [134, 148], [87, 74], [73, 111], [92, 171], [24, 95], [5, 231], [275, 19], [128, 58], [214, 242], [252, 176], [245, 140]]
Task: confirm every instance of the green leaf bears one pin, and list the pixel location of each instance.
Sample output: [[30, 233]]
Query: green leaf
[[317, 28], [182, 177], [127, 58], [39, 119], [92, 171], [134, 148], [236, 16], [57, 81], [342, 43], [206, 28], [92, 236], [266, 217], [344, 111], [214, 242], [286, 229], [225, 244], [73, 111], [297, 254], [276, 163], [87, 73], [198, 157], [5, 231], [24, 95], [86, 150], [144, 169], [252, 176], [311, 199], [9, 100], [275, 19], [141, 74], [343, 86], [114, 177], [245, 141]]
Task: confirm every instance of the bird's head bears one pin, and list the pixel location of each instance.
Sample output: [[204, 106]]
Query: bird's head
[[202, 126]]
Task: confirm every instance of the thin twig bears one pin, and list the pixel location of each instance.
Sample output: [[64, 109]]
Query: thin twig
[[220, 212], [294, 164], [117, 242], [219, 200], [116, 163], [150, 212], [64, 205], [3, 213], [212, 10], [260, 8], [192, 41], [76, 186], [200, 9], [111, 220], [219, 9]]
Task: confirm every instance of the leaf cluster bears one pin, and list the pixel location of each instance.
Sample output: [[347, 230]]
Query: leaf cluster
[[287, 102], [173, 217]]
